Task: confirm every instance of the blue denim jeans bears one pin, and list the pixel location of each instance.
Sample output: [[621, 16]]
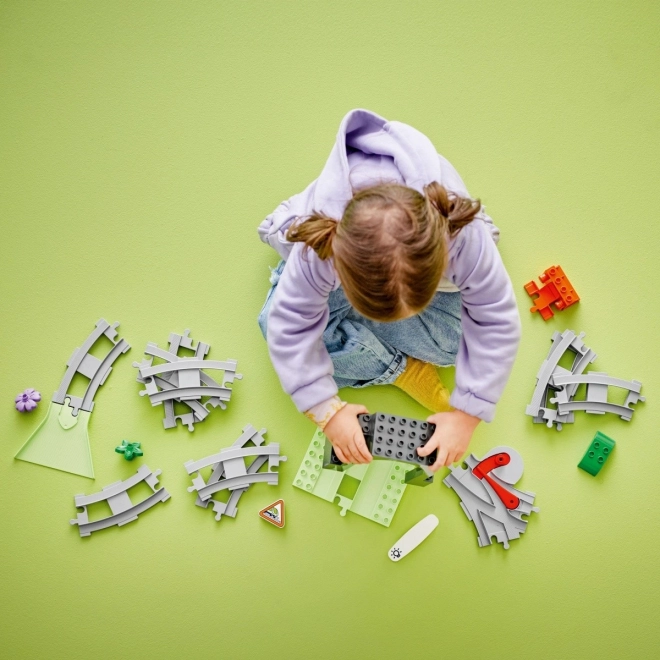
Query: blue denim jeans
[[366, 352]]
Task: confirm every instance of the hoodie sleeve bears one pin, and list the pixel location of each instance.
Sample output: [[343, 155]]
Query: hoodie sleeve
[[489, 319], [297, 319]]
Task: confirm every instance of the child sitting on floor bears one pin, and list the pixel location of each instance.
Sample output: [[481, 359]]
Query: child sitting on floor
[[388, 270]]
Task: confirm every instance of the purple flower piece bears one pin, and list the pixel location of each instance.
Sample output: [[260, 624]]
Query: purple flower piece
[[27, 401]]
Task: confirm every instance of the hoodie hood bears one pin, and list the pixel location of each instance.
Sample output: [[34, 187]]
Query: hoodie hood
[[412, 153], [369, 140]]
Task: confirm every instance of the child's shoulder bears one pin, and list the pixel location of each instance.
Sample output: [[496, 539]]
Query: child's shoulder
[[304, 265], [480, 230]]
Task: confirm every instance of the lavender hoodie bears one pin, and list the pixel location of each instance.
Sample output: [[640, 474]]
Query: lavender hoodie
[[369, 149]]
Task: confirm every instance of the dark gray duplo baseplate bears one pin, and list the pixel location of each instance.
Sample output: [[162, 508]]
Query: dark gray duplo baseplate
[[397, 439]]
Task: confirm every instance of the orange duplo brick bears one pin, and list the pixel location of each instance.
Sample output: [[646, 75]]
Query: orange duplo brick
[[556, 290]]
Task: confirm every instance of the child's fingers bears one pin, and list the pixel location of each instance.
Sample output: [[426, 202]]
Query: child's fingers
[[360, 447], [352, 455], [450, 458], [457, 457], [429, 447], [441, 461], [340, 455]]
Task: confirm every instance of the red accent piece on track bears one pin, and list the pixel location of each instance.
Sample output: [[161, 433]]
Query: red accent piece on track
[[481, 471]]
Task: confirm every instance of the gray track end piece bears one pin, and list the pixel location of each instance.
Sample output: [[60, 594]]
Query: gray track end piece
[[633, 397], [187, 419], [150, 388], [229, 378], [185, 341], [551, 417], [214, 402], [275, 460]]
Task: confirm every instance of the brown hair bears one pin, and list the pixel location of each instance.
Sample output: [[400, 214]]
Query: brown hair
[[390, 248]]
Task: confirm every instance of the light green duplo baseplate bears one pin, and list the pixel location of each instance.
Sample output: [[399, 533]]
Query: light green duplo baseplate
[[381, 484], [61, 442]]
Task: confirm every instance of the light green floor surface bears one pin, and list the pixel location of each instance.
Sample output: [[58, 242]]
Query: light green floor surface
[[140, 145]]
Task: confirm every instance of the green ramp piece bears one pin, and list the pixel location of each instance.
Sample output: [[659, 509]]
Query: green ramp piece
[[61, 442], [598, 452], [381, 483]]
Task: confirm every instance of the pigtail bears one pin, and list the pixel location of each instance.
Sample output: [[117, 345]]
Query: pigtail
[[455, 212], [316, 232]]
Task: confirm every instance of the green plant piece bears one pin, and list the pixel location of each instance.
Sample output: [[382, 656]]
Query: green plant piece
[[129, 449]]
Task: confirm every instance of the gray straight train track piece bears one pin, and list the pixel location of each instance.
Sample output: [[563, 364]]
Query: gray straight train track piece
[[94, 369], [485, 509], [123, 510], [561, 343]]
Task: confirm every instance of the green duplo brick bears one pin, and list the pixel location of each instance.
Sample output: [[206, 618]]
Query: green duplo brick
[[599, 451]]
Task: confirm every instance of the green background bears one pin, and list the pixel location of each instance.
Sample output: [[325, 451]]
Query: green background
[[142, 143]]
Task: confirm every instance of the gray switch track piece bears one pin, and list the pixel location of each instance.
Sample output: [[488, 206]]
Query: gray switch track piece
[[229, 508], [96, 370], [183, 380], [230, 472], [123, 510], [561, 343], [484, 508]]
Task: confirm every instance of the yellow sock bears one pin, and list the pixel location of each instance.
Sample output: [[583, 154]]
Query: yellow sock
[[421, 381]]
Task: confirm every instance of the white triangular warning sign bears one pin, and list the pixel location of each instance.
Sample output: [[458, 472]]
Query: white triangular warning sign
[[274, 513]]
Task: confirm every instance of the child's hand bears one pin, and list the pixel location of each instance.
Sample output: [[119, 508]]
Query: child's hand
[[345, 433], [452, 436]]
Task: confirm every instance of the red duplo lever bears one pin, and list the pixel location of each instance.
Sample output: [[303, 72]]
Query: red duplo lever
[[481, 471]]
